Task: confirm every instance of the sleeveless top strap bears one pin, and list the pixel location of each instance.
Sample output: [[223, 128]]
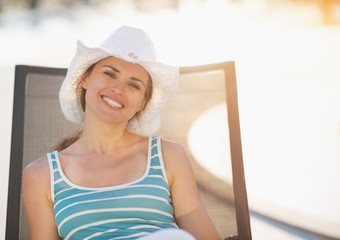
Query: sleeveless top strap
[[157, 163], [54, 173]]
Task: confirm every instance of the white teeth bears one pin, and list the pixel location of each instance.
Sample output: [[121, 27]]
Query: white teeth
[[112, 103]]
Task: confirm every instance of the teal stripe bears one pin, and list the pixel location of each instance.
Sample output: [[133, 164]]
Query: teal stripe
[[123, 228], [154, 141], [54, 164], [93, 218], [159, 181], [60, 188], [57, 176], [155, 171], [62, 200], [138, 202], [66, 191], [154, 150], [154, 162]]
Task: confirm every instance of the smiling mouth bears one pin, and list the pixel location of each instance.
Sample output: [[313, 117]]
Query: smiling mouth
[[112, 103]]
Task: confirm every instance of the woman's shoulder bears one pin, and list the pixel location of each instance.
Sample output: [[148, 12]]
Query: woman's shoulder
[[36, 181], [37, 164], [175, 159], [37, 170], [171, 147]]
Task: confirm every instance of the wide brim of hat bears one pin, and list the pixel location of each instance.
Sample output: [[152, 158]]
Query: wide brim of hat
[[147, 122]]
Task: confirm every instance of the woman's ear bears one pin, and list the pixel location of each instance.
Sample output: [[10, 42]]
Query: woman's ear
[[142, 106], [84, 82], [148, 94]]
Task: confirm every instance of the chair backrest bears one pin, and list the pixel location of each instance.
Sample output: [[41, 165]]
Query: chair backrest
[[203, 118]]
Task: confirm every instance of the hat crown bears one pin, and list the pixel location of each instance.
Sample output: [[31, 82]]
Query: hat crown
[[131, 43]]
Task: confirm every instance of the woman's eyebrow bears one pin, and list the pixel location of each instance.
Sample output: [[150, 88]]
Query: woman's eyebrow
[[137, 80], [117, 71], [114, 69]]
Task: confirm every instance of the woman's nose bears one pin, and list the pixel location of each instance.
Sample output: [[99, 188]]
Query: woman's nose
[[118, 87]]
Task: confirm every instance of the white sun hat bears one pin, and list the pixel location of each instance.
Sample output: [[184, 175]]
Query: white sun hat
[[132, 45]]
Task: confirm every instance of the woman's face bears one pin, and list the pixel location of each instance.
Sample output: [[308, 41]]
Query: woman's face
[[115, 90]]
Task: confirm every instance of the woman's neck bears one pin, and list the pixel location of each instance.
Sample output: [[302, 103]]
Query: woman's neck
[[103, 137]]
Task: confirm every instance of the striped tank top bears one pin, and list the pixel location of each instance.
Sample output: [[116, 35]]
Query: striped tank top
[[125, 211]]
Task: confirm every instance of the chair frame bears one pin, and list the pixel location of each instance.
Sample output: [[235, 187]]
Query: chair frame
[[17, 144]]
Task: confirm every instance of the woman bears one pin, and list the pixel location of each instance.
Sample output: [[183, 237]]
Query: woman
[[116, 181]]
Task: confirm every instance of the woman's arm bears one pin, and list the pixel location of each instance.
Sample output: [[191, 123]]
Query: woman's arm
[[190, 213], [37, 200]]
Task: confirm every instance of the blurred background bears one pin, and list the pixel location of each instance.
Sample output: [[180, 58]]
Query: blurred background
[[287, 55]]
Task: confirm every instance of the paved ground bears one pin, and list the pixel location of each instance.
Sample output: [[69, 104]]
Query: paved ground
[[288, 79]]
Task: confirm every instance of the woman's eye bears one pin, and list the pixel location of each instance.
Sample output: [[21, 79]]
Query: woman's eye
[[134, 86], [109, 74]]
